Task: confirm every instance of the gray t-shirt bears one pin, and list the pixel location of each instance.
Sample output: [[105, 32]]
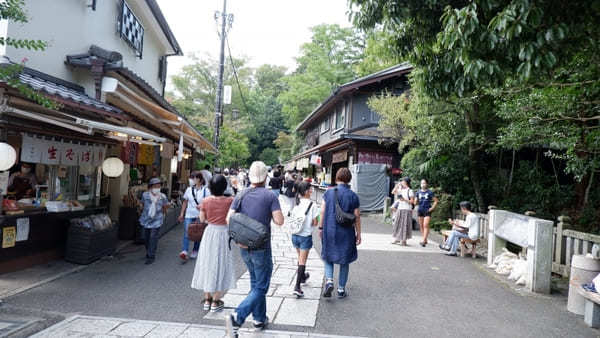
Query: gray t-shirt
[[258, 204]]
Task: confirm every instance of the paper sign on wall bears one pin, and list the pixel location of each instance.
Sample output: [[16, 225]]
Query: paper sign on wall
[[4, 176], [22, 229], [99, 154], [51, 152], [68, 154], [31, 150], [9, 235]]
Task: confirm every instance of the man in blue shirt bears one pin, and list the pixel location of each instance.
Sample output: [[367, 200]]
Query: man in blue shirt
[[261, 205], [427, 202], [155, 205]]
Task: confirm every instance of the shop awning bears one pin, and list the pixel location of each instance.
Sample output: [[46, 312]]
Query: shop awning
[[156, 113], [118, 129]]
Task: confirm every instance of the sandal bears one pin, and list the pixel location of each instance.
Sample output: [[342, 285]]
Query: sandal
[[217, 306], [207, 302]]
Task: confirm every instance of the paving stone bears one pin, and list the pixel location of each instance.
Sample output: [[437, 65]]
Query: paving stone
[[133, 329], [202, 332], [248, 334], [284, 273], [219, 315], [273, 306], [288, 292], [246, 275], [167, 330], [302, 312], [92, 325], [232, 300], [243, 287]]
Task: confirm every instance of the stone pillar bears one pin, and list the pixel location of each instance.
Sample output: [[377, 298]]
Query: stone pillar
[[495, 244], [539, 255]]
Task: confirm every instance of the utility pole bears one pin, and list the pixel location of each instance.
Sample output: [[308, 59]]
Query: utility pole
[[225, 20]]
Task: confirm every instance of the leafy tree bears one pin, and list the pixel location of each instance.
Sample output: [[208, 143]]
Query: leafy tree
[[285, 145], [377, 55], [13, 11], [234, 150], [270, 156], [324, 63]]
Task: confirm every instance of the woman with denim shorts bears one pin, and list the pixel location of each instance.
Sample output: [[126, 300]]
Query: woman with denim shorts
[[303, 240]]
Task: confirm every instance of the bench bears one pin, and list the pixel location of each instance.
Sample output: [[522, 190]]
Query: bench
[[463, 242], [591, 315]]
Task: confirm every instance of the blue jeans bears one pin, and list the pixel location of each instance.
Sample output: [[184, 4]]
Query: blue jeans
[[453, 240], [344, 270], [260, 267], [186, 242], [151, 241]]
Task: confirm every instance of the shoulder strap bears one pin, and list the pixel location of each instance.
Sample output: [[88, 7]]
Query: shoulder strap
[[308, 209], [194, 194]]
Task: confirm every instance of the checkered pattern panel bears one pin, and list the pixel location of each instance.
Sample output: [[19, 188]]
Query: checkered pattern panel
[[132, 30]]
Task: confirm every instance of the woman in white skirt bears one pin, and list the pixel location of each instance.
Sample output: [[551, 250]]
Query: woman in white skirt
[[402, 211], [214, 272]]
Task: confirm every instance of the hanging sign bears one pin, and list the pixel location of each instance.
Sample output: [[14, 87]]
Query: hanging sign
[[99, 155], [375, 158], [340, 156], [167, 150], [22, 229], [226, 94], [68, 154], [86, 154], [31, 150], [51, 152], [315, 160]]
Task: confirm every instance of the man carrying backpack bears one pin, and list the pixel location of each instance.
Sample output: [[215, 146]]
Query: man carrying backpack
[[261, 205]]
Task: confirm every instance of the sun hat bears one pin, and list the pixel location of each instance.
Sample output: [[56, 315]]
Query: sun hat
[[154, 180], [258, 172]]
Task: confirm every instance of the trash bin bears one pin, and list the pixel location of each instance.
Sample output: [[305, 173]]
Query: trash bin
[[583, 270]]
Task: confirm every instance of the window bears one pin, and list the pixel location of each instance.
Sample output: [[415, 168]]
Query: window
[[131, 29], [340, 117], [325, 125]]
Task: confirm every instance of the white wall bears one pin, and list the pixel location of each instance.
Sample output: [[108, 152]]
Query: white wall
[[70, 27]]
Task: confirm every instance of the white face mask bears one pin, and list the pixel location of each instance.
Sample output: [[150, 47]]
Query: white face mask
[[192, 182], [25, 170], [155, 191]]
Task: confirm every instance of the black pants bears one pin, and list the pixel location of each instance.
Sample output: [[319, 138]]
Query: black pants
[[151, 241]]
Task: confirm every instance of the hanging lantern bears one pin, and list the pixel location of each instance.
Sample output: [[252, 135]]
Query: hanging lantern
[[112, 167], [8, 156]]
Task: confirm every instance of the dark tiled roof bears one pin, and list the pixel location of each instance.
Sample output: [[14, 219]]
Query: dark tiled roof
[[42, 83]]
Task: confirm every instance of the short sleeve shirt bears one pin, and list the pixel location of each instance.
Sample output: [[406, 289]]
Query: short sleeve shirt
[[472, 222], [310, 216], [215, 209], [192, 207], [258, 204], [152, 222], [425, 199], [407, 194]]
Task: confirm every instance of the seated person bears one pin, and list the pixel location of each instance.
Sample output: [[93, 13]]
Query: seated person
[[467, 229], [22, 183]]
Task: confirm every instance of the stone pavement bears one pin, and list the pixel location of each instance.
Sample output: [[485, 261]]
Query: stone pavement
[[282, 305], [97, 327]]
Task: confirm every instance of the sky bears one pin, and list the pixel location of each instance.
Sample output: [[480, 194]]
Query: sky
[[266, 31]]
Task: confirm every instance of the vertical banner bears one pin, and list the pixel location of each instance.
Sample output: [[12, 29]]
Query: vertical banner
[[31, 150], [180, 149], [51, 152], [99, 155], [68, 154], [86, 154]]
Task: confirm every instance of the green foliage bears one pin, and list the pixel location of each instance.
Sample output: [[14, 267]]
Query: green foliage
[[324, 63], [270, 156], [12, 10], [286, 145], [234, 150]]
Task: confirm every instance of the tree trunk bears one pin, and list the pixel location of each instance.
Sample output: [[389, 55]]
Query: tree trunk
[[475, 156]]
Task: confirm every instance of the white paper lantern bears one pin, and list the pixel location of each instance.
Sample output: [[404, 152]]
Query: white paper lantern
[[8, 156], [112, 167]]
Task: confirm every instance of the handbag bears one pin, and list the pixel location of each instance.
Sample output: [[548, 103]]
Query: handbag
[[245, 230], [196, 229], [342, 218], [296, 222]]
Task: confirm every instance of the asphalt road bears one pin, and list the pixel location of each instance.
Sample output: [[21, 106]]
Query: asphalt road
[[391, 294]]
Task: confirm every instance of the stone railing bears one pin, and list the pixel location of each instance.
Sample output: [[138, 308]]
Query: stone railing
[[565, 245]]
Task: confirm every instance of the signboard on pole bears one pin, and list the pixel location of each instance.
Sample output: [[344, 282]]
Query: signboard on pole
[[226, 94]]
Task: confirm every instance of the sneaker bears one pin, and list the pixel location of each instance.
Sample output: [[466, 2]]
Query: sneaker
[[261, 325], [443, 247], [194, 255], [207, 303], [328, 289], [217, 306], [183, 255], [231, 326], [452, 254], [149, 261], [341, 293], [299, 293]]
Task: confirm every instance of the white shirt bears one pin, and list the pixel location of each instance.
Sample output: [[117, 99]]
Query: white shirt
[[406, 193], [300, 209], [192, 211], [472, 222]]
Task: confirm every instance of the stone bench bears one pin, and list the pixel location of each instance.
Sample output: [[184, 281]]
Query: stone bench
[[591, 315], [463, 241]]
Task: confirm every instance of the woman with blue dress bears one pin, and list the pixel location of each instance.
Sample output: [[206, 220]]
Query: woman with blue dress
[[339, 242]]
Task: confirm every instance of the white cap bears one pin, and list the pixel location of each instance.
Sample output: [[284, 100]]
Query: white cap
[[258, 172]]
